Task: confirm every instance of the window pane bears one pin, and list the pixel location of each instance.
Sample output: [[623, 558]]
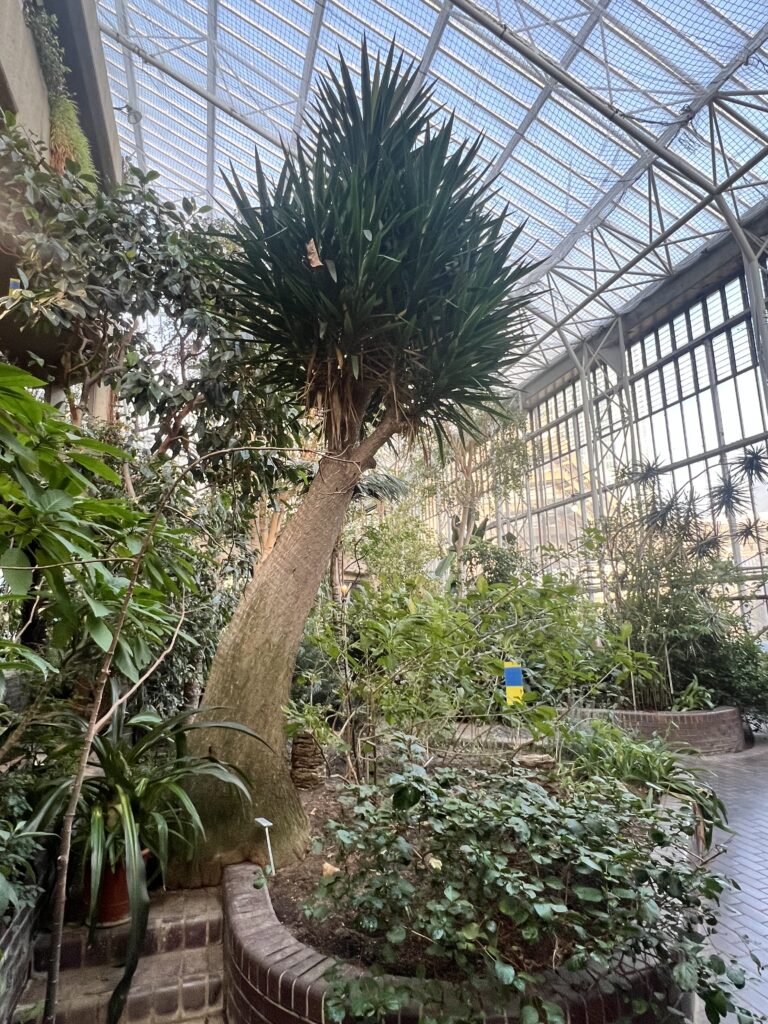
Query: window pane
[[749, 403]]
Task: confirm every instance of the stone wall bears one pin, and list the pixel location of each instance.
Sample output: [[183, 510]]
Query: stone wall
[[272, 978], [22, 88]]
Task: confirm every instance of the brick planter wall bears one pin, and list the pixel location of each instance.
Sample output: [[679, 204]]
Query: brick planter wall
[[17, 940], [272, 978], [710, 732], [15, 959]]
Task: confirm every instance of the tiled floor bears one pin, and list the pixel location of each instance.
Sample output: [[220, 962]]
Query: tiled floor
[[742, 782]]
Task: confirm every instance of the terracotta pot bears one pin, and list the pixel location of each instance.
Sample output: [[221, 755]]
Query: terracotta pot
[[114, 903]]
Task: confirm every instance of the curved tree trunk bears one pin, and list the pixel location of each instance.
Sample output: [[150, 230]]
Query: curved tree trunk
[[251, 674]]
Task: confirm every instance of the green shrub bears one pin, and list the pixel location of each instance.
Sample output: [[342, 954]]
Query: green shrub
[[668, 574], [19, 851], [648, 767], [421, 663], [495, 879]]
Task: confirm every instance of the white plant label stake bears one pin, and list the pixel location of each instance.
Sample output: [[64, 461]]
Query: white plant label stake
[[266, 824]]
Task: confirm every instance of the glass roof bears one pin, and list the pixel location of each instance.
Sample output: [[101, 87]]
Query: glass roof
[[606, 214]]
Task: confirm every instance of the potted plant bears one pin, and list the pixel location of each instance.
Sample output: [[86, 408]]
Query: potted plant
[[134, 809]]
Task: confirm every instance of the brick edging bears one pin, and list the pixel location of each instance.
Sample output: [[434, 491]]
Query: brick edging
[[268, 974], [719, 731], [270, 977]]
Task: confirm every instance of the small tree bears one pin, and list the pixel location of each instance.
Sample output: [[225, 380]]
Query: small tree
[[377, 278], [668, 572]]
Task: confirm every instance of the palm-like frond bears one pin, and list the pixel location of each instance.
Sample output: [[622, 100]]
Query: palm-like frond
[[708, 545], [643, 472], [751, 531], [380, 485], [375, 274]]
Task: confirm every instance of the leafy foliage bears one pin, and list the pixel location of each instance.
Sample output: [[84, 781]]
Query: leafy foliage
[[135, 800], [50, 53], [94, 265], [66, 550], [89, 259], [649, 767], [497, 879], [19, 849], [21, 845], [668, 577], [426, 662], [220, 565], [395, 551]]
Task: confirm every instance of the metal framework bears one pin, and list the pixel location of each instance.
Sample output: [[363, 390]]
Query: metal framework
[[630, 137], [626, 134]]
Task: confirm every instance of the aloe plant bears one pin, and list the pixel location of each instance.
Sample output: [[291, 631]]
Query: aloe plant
[[134, 799]]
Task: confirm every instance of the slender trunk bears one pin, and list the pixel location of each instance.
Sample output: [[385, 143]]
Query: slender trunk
[[251, 674], [67, 827], [337, 575]]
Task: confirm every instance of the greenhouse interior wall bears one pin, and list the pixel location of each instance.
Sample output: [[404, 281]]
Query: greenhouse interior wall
[[677, 383]]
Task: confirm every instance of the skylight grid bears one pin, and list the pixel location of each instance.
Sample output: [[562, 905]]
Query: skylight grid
[[578, 180], [271, 107], [623, 30], [408, 24], [630, 78], [255, 62], [281, 29], [590, 132], [233, 139], [511, 76], [550, 26], [168, 30], [568, 167], [472, 72], [671, 28], [343, 30]]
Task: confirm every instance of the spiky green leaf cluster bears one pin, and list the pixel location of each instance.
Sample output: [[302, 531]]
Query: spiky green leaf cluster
[[376, 272]]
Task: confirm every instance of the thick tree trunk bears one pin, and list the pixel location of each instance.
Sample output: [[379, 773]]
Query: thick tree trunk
[[252, 671]]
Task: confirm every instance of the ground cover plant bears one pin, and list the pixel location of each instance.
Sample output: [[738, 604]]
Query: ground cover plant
[[497, 879]]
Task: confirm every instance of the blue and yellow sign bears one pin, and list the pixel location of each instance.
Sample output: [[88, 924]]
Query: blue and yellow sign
[[513, 682]]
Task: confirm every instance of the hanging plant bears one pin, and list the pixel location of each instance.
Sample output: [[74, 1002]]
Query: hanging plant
[[67, 142]]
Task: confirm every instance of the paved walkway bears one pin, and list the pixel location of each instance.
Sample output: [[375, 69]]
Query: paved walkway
[[741, 780]]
